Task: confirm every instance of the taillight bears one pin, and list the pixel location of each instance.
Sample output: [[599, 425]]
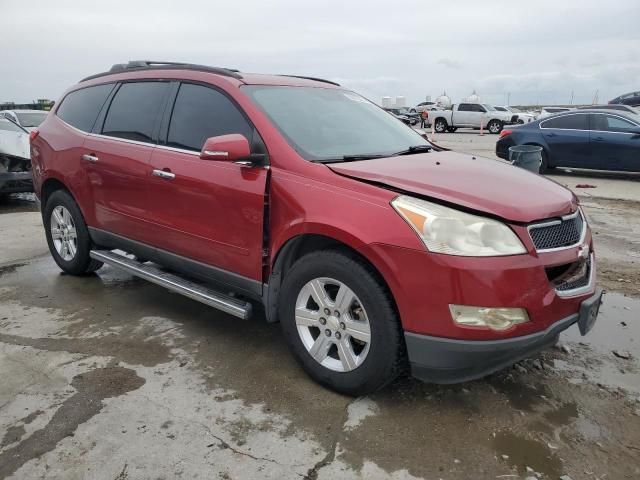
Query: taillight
[[33, 134], [504, 133]]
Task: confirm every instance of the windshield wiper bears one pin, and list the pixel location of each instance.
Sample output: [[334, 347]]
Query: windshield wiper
[[414, 149], [352, 158]]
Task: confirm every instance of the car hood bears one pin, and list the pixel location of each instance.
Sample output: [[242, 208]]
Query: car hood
[[15, 144], [479, 184]]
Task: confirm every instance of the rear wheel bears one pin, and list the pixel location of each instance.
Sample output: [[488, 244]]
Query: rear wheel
[[67, 235], [441, 125], [495, 126], [341, 324]]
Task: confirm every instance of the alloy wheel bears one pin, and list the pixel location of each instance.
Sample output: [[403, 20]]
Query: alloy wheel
[[63, 233], [332, 324]]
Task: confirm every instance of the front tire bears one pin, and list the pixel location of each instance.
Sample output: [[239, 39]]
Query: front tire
[[67, 235], [341, 324], [495, 126]]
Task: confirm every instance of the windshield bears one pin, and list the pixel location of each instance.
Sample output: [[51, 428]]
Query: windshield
[[328, 123], [9, 126], [31, 119], [489, 107]]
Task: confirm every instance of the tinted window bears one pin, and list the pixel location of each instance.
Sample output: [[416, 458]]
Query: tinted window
[[617, 124], [81, 107], [569, 122], [201, 112], [464, 107], [134, 110], [477, 108], [501, 109]]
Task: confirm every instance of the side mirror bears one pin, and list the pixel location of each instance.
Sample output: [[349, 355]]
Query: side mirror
[[227, 148]]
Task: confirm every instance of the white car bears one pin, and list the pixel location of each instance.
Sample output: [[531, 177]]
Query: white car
[[422, 106], [27, 119], [15, 159], [518, 116], [547, 111], [470, 115]]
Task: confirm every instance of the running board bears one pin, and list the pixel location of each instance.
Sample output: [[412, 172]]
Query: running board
[[195, 291]]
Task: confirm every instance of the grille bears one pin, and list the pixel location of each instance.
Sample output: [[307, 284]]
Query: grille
[[564, 234], [578, 283]]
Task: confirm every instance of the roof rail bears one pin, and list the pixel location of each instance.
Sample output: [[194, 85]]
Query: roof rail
[[139, 65], [312, 78]]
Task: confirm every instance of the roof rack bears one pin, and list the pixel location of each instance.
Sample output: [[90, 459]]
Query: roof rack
[[139, 65], [312, 78]]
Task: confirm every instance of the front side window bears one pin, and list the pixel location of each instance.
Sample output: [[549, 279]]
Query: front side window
[[201, 112], [617, 124], [327, 124], [80, 108], [501, 109], [567, 122], [134, 111]]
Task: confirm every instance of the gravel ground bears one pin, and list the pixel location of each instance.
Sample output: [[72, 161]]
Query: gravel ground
[[110, 377]]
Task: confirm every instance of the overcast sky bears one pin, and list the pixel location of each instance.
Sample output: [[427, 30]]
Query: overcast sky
[[536, 50]]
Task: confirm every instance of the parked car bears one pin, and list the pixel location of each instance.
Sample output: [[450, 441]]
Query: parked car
[[473, 115], [362, 238], [517, 116], [27, 119], [547, 111], [593, 139], [422, 106], [404, 115], [15, 164], [632, 99], [622, 108]]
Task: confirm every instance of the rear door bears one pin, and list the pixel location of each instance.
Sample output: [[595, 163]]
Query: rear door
[[462, 115], [567, 137], [209, 211], [615, 143], [117, 153]]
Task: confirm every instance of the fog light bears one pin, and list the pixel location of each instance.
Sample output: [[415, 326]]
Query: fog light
[[484, 317]]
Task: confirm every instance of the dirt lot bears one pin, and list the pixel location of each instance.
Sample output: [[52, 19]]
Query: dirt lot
[[109, 377]]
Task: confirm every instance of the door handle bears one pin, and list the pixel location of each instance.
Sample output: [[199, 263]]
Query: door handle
[[164, 174], [551, 135], [89, 158], [599, 139]]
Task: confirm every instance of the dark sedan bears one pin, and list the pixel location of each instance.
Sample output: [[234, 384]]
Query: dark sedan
[[631, 98], [592, 139]]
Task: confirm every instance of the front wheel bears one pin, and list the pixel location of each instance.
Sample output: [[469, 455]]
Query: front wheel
[[341, 324], [495, 126], [67, 235], [440, 125]]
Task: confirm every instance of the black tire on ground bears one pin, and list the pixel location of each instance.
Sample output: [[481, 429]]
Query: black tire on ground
[[452, 129], [386, 358], [81, 262], [441, 125], [544, 165], [495, 126]]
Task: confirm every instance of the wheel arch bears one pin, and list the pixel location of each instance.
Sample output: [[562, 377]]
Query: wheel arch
[[295, 248]]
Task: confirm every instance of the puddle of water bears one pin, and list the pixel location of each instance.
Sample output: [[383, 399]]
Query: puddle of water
[[609, 333], [524, 452], [563, 414]]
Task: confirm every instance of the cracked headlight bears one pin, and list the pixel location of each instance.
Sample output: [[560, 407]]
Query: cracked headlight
[[452, 232]]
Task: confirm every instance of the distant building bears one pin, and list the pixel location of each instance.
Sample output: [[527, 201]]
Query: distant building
[[40, 104], [473, 98]]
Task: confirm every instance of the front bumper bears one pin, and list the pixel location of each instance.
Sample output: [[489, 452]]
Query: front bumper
[[16, 182], [445, 360]]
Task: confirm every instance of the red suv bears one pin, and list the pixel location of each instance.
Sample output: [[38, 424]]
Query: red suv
[[376, 250]]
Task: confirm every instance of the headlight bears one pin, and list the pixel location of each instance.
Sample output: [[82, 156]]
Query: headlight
[[449, 231]]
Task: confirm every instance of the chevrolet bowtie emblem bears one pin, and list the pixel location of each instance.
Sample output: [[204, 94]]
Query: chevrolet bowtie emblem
[[583, 252]]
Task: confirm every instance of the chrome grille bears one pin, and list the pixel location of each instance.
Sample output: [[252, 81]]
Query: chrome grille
[[558, 233], [583, 281]]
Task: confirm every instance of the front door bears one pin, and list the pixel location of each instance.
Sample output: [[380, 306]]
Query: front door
[[615, 143], [206, 210]]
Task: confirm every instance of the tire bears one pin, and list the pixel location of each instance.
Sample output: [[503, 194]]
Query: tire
[[544, 165], [372, 364], [413, 110], [441, 125], [452, 129], [495, 126], [70, 252]]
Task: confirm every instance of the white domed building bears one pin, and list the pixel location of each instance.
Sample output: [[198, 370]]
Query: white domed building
[[473, 98], [443, 101]]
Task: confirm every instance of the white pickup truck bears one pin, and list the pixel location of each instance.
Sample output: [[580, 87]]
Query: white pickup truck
[[470, 115]]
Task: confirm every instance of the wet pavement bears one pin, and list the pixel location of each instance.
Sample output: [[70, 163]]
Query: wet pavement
[[109, 377]]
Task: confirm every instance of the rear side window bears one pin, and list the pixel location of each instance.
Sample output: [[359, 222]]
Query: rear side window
[[80, 108], [199, 113], [568, 122], [464, 107], [134, 111]]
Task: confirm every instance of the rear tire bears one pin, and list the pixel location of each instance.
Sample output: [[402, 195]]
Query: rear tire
[[441, 125], [358, 350], [544, 165], [67, 235]]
